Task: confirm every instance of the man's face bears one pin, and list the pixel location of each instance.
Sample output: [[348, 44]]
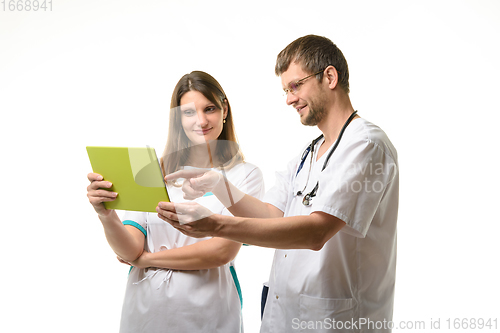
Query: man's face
[[308, 99]]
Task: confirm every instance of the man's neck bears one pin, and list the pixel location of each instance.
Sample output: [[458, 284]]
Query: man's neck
[[333, 122], [331, 129]]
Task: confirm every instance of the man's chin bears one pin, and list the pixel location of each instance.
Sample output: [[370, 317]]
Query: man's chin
[[308, 121]]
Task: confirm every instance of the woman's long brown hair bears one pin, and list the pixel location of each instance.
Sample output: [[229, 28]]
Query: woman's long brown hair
[[177, 148]]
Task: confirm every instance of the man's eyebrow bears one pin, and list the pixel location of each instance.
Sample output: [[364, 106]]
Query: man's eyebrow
[[288, 84]]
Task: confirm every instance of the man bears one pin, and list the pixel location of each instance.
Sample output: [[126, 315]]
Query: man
[[331, 215]]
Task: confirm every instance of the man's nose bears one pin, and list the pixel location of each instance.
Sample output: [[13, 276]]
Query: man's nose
[[291, 98]]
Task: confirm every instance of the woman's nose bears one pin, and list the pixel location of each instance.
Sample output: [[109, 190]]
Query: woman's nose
[[202, 119]]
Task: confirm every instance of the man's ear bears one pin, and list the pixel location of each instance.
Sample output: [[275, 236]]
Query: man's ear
[[332, 76]]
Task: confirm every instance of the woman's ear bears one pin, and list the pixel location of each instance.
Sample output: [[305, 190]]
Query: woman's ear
[[225, 108], [332, 76]]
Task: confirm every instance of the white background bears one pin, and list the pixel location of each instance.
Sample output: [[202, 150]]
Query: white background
[[102, 72]]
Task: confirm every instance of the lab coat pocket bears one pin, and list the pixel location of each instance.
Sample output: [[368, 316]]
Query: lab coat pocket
[[326, 314]]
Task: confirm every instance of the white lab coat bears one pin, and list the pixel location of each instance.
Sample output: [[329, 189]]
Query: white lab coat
[[351, 279], [162, 300]]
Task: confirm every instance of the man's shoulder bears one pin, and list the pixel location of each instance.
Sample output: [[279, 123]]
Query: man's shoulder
[[365, 130]]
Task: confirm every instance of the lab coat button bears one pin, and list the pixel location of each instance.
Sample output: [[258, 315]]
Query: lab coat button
[[285, 255], [277, 297]]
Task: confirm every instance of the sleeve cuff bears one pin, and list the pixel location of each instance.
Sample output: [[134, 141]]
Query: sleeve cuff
[[136, 225]]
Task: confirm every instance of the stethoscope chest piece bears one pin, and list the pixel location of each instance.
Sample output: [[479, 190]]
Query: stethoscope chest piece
[[307, 200]]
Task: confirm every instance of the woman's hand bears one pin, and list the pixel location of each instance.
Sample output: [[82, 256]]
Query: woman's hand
[[123, 261], [197, 181], [141, 262], [97, 195]]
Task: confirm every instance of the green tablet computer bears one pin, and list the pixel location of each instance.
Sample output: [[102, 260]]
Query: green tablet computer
[[135, 174]]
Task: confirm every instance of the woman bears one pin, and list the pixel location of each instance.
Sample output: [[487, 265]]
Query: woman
[[179, 283]]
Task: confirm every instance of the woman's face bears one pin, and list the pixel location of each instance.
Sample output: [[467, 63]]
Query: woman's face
[[201, 119]]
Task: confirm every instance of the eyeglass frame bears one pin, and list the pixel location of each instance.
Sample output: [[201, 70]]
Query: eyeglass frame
[[299, 82]]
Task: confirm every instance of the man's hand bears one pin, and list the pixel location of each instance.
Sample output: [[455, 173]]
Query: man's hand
[[197, 181], [202, 222]]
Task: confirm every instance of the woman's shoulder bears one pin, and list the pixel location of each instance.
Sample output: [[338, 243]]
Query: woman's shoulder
[[246, 167], [243, 171]]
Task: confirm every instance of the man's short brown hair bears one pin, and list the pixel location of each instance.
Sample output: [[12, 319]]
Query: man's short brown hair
[[314, 53]]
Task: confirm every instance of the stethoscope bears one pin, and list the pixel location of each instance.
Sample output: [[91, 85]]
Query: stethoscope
[[309, 196]]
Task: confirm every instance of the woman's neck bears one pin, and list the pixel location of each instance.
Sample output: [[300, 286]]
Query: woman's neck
[[202, 155]]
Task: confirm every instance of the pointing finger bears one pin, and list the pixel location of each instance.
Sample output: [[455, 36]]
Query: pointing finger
[[186, 174]]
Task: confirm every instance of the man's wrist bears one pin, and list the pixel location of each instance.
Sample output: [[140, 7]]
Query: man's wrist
[[220, 188], [218, 221], [223, 224], [222, 191]]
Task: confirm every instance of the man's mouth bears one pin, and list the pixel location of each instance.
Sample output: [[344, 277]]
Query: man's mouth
[[300, 108]]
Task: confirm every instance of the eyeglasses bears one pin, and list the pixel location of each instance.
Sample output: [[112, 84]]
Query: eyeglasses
[[294, 86]]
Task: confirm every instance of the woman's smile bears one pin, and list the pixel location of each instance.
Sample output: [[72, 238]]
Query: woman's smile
[[204, 131]]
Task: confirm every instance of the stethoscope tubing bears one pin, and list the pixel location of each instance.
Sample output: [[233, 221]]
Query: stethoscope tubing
[[310, 149]]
